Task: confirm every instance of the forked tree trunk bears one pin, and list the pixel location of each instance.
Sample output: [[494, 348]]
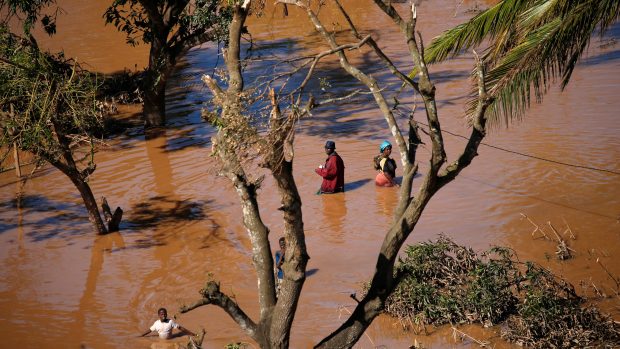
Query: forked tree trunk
[[78, 178], [94, 216], [86, 193]]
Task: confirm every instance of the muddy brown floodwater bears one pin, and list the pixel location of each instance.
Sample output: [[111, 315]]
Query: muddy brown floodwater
[[61, 286]]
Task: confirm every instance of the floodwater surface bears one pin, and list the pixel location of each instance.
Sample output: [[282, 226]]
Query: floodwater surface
[[61, 286]]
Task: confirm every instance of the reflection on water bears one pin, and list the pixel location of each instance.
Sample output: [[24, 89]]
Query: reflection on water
[[160, 163], [387, 200], [334, 213], [183, 222]]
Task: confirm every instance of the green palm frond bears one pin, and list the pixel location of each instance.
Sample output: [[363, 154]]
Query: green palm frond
[[543, 44], [490, 24]]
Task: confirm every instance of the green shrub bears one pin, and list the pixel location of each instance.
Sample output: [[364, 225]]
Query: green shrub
[[441, 282]]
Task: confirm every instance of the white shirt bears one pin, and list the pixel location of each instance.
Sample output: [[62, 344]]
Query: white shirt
[[164, 328]]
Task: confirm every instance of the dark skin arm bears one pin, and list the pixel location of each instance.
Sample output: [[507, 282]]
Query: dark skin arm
[[386, 154], [186, 331], [390, 179]]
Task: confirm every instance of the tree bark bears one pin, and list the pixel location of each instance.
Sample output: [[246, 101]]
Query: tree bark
[[85, 192], [91, 204], [154, 107], [18, 169], [160, 65], [383, 283], [276, 316], [164, 52], [280, 161], [69, 168], [226, 145]]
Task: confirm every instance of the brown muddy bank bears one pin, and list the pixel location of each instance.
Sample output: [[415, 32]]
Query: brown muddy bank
[[182, 222]]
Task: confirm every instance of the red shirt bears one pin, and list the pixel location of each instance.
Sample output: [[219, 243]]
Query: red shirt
[[332, 173]]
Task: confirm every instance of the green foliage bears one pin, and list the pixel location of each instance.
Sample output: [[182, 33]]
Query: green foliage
[[44, 96], [28, 12], [531, 43], [441, 282], [193, 18], [238, 345]]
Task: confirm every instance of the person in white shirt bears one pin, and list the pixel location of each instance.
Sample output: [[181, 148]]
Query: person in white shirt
[[164, 326]]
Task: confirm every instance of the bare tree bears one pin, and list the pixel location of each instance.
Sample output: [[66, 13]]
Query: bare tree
[[235, 139], [410, 208], [238, 141]]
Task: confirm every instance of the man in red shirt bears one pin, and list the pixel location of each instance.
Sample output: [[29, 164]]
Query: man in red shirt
[[332, 172]]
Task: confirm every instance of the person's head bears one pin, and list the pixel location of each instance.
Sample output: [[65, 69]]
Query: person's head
[[330, 146], [162, 313], [385, 148], [282, 243]]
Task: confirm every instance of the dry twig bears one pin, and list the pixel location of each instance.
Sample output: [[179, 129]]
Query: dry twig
[[609, 273], [456, 332], [536, 226]]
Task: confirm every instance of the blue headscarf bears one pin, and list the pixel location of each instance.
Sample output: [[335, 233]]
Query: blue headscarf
[[384, 145]]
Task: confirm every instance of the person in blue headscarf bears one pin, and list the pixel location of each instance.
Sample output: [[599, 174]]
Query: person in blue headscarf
[[385, 165]]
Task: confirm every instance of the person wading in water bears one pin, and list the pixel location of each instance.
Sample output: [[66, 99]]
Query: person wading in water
[[164, 326], [332, 171], [386, 166]]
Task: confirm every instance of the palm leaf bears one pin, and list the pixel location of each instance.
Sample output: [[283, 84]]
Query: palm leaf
[[492, 23], [546, 42]]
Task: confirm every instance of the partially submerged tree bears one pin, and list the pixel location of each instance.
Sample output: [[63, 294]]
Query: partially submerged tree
[[171, 28], [235, 143], [48, 108], [238, 142]]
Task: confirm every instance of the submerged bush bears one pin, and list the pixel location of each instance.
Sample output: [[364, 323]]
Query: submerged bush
[[550, 315], [441, 282]]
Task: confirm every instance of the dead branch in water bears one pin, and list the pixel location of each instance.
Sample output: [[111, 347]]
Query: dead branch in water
[[609, 273], [536, 227], [563, 251], [462, 335]]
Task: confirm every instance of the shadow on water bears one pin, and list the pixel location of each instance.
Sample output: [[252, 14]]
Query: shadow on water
[[161, 212], [61, 219], [604, 57], [189, 96], [4, 226], [355, 185], [39, 173], [311, 272], [150, 214], [186, 100]]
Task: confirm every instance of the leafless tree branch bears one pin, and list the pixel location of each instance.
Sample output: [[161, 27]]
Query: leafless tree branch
[[211, 294]]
